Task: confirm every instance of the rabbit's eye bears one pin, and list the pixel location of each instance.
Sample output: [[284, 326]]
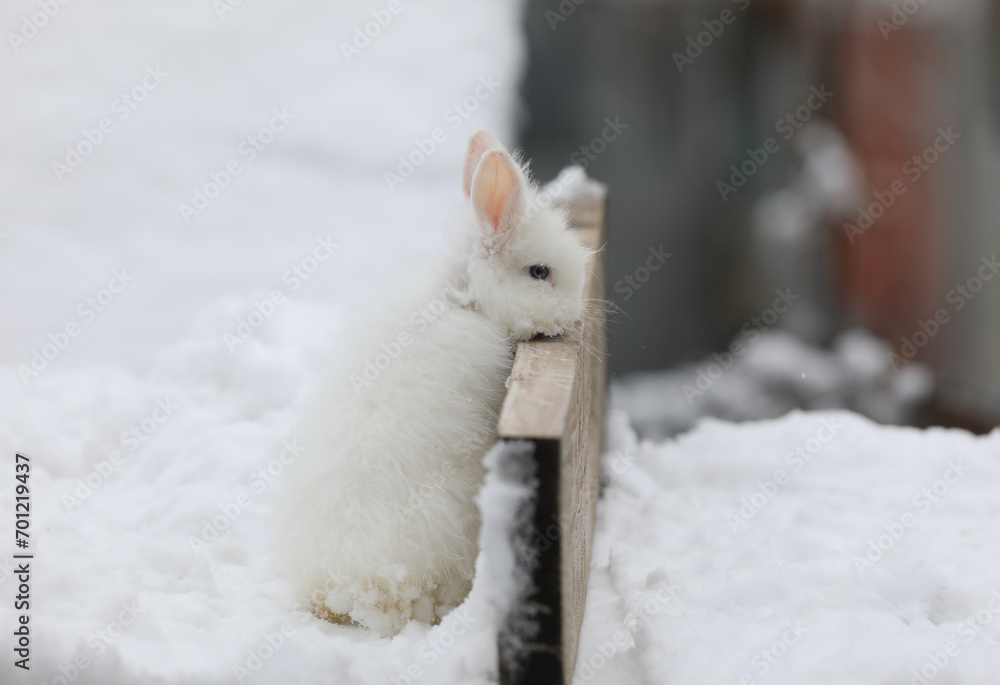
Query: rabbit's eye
[[539, 272]]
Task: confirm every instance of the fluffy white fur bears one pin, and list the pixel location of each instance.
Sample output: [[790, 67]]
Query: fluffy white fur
[[378, 511]]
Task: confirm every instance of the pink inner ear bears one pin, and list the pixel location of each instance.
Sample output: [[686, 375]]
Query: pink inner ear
[[481, 141], [496, 189]]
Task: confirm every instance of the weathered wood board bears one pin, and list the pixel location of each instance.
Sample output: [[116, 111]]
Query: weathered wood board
[[556, 399]]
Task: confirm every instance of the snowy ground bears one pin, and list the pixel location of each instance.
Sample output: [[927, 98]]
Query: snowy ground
[[819, 548], [157, 440]]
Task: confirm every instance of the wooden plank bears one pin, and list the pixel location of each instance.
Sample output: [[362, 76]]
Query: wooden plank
[[556, 399], [539, 395]]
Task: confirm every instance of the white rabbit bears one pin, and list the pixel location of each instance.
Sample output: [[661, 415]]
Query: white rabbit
[[379, 511]]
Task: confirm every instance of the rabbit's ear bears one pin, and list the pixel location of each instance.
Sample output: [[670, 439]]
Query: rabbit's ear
[[481, 141], [496, 190]]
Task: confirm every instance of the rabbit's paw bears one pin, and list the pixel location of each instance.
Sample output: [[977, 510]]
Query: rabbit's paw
[[382, 605]]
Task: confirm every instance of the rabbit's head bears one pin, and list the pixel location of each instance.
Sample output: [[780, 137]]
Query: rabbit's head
[[527, 268]]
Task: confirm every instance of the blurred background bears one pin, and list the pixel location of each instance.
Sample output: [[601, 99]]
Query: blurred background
[[847, 151], [799, 189]]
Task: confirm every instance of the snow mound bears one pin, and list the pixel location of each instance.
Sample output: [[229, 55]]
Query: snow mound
[[819, 547], [772, 373], [572, 184]]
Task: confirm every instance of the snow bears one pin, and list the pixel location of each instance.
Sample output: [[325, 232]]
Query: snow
[[770, 373], [818, 547], [504, 568], [572, 183]]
